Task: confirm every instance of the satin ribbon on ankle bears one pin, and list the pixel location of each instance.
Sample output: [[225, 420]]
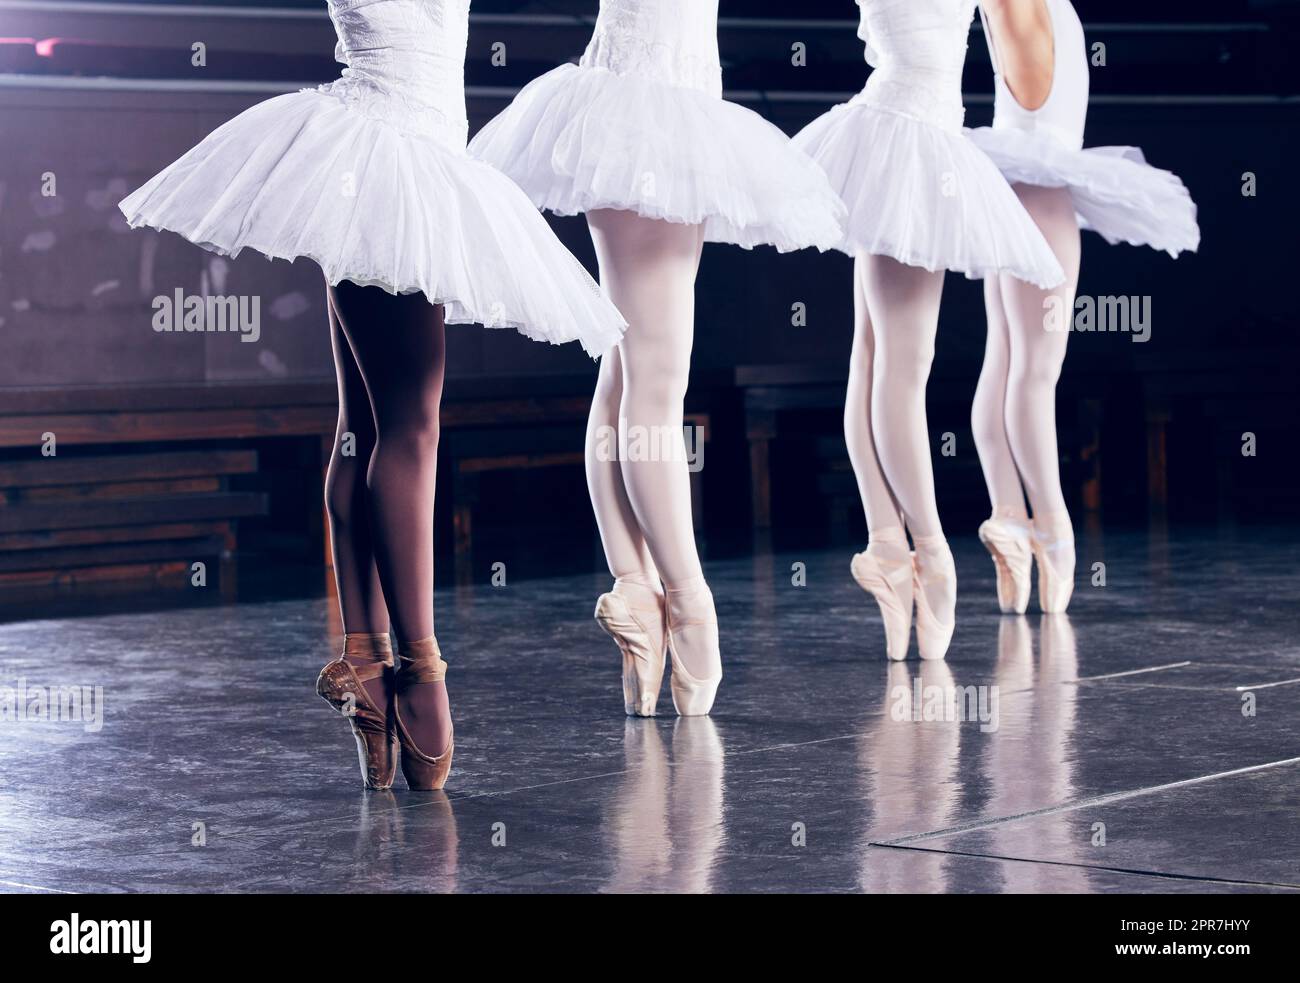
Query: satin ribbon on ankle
[[368, 647], [420, 662]]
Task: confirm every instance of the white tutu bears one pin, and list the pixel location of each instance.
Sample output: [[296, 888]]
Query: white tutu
[[307, 175], [926, 196], [580, 138], [1116, 192]]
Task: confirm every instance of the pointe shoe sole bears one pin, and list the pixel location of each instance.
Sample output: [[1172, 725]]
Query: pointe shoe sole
[[1012, 556], [895, 611], [643, 668], [377, 749]]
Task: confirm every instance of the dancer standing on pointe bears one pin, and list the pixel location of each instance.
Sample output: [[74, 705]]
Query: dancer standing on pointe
[[922, 199], [1040, 67], [368, 177], [638, 137]]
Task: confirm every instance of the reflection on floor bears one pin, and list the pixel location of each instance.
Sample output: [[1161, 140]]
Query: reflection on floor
[[1148, 742]]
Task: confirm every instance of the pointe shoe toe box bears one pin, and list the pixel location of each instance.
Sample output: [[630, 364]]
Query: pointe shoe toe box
[[893, 593], [643, 663]]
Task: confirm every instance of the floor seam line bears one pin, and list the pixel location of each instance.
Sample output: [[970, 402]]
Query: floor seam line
[[1086, 803], [1137, 872]]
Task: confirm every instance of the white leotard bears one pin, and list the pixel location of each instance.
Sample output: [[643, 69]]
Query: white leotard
[[1063, 114]]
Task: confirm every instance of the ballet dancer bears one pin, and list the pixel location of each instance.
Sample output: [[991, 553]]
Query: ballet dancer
[[922, 199], [638, 137], [368, 176], [1040, 69]]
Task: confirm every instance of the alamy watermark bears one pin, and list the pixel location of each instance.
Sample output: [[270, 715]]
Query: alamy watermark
[[947, 704], [1128, 315], [636, 442], [62, 704], [233, 314], [75, 936]]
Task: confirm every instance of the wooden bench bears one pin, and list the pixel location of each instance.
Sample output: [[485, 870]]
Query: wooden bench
[[140, 483], [69, 521]]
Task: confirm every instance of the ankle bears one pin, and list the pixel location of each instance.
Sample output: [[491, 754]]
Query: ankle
[[889, 544], [690, 602], [1012, 515], [639, 590], [420, 656], [360, 648], [933, 553], [1053, 527]]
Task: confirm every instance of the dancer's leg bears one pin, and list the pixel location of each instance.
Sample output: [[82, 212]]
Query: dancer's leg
[[648, 268], [884, 518], [903, 303], [988, 412], [1037, 354], [361, 598], [399, 346], [625, 547], [1035, 366]]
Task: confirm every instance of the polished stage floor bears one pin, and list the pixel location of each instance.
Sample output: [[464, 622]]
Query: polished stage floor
[[1150, 742]]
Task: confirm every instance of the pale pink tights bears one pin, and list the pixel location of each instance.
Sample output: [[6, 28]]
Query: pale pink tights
[[896, 317], [1014, 413], [642, 500]]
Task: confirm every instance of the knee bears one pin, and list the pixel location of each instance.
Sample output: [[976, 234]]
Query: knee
[[1034, 375], [905, 368], [413, 431], [662, 382]]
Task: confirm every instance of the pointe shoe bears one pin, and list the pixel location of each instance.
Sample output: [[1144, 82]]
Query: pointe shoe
[[1054, 589], [341, 685], [1008, 543], [421, 662], [893, 590], [643, 666], [692, 697], [932, 636]]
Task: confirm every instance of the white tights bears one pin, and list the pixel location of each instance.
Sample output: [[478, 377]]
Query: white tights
[[1014, 413], [896, 317], [643, 507]]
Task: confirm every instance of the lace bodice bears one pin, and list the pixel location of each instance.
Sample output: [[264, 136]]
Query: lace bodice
[[670, 41], [917, 48], [1064, 113], [405, 63]]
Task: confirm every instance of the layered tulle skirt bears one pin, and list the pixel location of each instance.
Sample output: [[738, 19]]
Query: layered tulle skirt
[[925, 196], [581, 138], [307, 175], [1116, 192]]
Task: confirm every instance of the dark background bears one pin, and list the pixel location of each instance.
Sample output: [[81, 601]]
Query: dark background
[[1208, 90]]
